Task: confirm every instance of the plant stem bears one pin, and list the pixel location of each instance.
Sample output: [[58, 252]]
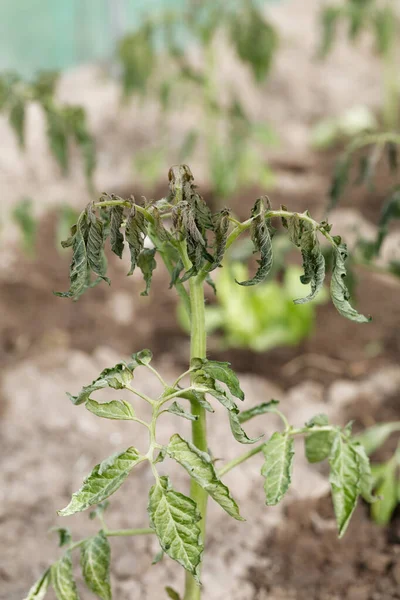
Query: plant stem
[[129, 532], [237, 461], [199, 428]]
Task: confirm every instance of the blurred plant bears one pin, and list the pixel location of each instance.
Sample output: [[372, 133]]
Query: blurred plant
[[379, 17], [24, 217], [386, 475], [156, 59], [192, 243], [370, 141], [64, 122], [260, 318]]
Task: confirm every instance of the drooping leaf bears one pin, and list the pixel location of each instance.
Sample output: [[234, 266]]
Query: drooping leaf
[[374, 437], [313, 263], [200, 468], [175, 518], [339, 292], [158, 557], [146, 263], [340, 180], [261, 238], [23, 215], [62, 579], [329, 19], [64, 535], [78, 128], [221, 228], [259, 409], [95, 563], [39, 589], [116, 237], [392, 156], [221, 371], [103, 481], [17, 117], [95, 245], [117, 378], [135, 232], [366, 479], [386, 488], [237, 430], [277, 468], [345, 481], [119, 410], [390, 211], [198, 398], [177, 409], [137, 57], [79, 269], [99, 510], [57, 134]]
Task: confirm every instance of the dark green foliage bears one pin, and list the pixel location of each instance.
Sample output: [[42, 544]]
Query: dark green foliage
[[339, 292], [147, 264], [313, 263], [137, 55], [135, 233], [24, 217]]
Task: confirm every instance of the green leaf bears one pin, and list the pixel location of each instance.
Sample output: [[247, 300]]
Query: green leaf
[[78, 128], [158, 557], [259, 409], [277, 468], [221, 371], [177, 409], [99, 510], [64, 535], [116, 409], [57, 134], [201, 469], [95, 563], [78, 272], [117, 377], [366, 479], [103, 481], [374, 437], [116, 237], [39, 589], [23, 215], [313, 263], [175, 518], [194, 396], [329, 19], [135, 233], [141, 358], [392, 156], [261, 238], [345, 481], [147, 264], [172, 593], [339, 292], [62, 579], [386, 490], [238, 432], [318, 445]]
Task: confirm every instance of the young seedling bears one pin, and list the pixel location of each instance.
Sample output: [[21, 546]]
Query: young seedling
[[192, 242]]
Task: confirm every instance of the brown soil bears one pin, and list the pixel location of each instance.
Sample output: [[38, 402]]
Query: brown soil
[[306, 561]]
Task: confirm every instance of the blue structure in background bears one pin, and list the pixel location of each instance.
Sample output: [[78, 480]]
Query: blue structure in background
[[59, 34]]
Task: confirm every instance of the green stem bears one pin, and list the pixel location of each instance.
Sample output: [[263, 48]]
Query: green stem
[[199, 428], [237, 461], [116, 533]]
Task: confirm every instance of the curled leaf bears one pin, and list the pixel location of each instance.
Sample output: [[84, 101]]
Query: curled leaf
[[261, 238], [339, 292]]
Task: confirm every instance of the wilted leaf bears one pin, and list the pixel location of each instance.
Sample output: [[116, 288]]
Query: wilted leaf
[[135, 232], [103, 481], [200, 468], [339, 292], [78, 272], [116, 237], [221, 371], [345, 481], [117, 377], [146, 263], [313, 263], [95, 563], [175, 518], [177, 409], [64, 535], [366, 479], [238, 432], [62, 579], [39, 589], [374, 437], [261, 238]]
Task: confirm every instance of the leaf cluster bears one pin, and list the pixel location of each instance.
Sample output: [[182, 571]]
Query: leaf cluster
[[64, 123]]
